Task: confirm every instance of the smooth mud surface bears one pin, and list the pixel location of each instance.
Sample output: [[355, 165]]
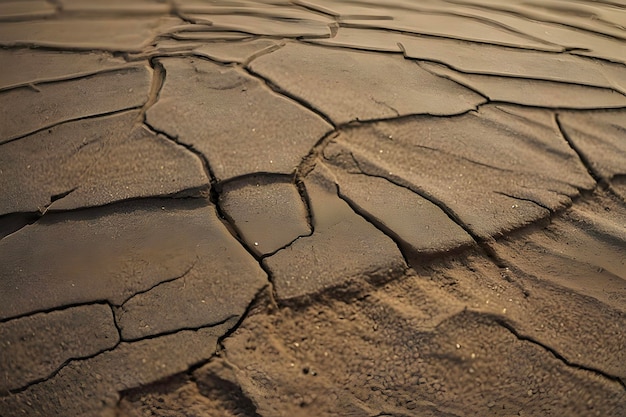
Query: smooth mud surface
[[312, 208]]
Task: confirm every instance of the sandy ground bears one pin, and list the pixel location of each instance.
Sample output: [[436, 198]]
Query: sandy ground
[[312, 208]]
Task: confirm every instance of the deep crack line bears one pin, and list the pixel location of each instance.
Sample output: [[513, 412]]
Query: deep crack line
[[481, 242], [581, 156], [215, 184], [529, 200], [505, 324], [76, 119], [118, 343], [182, 275], [283, 93], [71, 359], [521, 15], [597, 177], [402, 245]]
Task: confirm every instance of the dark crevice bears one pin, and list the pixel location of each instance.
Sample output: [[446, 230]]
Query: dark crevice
[[180, 329], [504, 77], [405, 249], [355, 48], [537, 203], [215, 185], [13, 222], [214, 194], [556, 108], [241, 181], [66, 48], [441, 36], [234, 183], [505, 324], [53, 309], [317, 9], [519, 14], [260, 53], [263, 299], [410, 254], [59, 196], [259, 301], [195, 193], [480, 241], [72, 359], [278, 90], [77, 119], [77, 77], [307, 164], [601, 181], [579, 53], [581, 156], [306, 201], [382, 103], [136, 293], [498, 25], [60, 79], [462, 84], [119, 342]]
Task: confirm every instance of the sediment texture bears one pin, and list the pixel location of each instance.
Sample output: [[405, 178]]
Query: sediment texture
[[312, 208]]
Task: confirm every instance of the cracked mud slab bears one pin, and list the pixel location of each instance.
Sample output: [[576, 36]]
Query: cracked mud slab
[[272, 133], [94, 162], [312, 207], [55, 103], [460, 336], [393, 86]]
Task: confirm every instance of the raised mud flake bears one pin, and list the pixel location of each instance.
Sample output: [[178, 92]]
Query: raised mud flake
[[590, 16], [94, 162], [196, 106], [208, 35], [34, 347], [260, 19], [348, 10], [25, 110], [30, 66], [364, 85], [446, 25], [111, 34], [262, 25], [266, 8], [235, 52], [113, 252], [268, 212], [478, 58], [140, 7], [533, 92], [599, 138], [365, 39], [343, 249], [91, 387], [581, 42], [420, 226], [528, 171], [25, 9]]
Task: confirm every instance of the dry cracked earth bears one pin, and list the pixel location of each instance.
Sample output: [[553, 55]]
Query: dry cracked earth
[[312, 208]]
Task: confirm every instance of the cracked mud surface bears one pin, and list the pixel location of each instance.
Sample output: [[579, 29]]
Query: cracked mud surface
[[312, 208]]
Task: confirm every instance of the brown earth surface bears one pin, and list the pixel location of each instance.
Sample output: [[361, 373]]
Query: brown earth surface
[[312, 208]]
